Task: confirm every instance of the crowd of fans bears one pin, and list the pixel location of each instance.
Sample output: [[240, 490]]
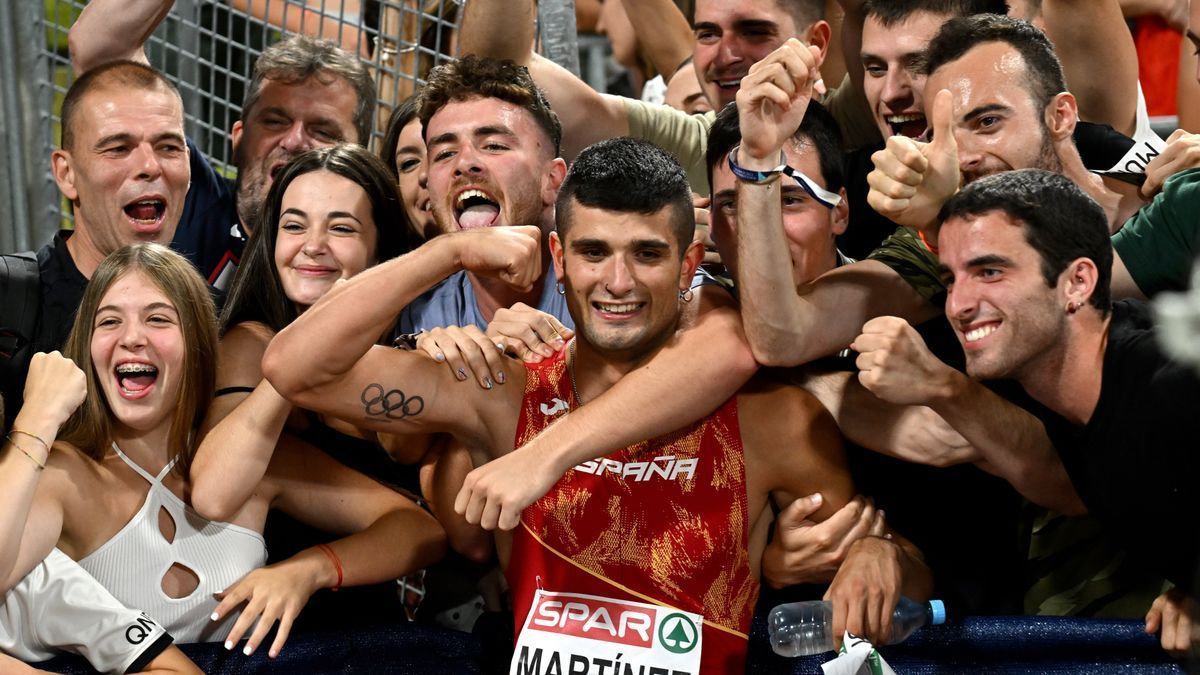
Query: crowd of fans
[[854, 326]]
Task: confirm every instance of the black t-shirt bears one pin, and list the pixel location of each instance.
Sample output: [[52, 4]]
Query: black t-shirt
[[1135, 464], [61, 291], [209, 232]]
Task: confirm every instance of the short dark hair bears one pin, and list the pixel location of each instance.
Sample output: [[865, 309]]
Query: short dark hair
[[893, 12], [257, 293], [127, 75], [1061, 222], [478, 77], [299, 57], [628, 175], [401, 116], [1043, 71], [818, 127]]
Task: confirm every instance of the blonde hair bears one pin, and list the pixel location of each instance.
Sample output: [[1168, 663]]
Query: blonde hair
[[90, 427]]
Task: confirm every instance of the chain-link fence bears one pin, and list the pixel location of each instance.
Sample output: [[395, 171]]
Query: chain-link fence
[[208, 47]]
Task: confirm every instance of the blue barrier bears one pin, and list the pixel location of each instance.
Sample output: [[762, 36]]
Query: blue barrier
[[1010, 644]]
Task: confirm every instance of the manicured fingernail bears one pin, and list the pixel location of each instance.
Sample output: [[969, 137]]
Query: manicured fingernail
[[559, 341], [228, 645], [487, 383], [500, 377], [248, 650], [439, 357], [273, 653], [214, 617], [500, 346], [545, 350], [817, 498], [462, 374]]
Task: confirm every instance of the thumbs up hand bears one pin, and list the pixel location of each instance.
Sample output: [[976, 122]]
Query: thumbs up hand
[[911, 179]]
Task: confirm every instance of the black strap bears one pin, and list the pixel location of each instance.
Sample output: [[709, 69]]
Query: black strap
[[232, 390]]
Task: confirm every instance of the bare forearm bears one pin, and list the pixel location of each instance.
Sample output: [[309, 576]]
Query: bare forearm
[[1099, 59], [655, 398], [171, 662], [113, 30], [501, 29], [1011, 440], [19, 477], [663, 32], [397, 543], [233, 457], [334, 333]]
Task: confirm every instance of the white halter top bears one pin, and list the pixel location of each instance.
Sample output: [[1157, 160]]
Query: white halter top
[[133, 563]]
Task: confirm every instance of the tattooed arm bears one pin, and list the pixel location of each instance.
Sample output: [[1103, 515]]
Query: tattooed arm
[[327, 360]]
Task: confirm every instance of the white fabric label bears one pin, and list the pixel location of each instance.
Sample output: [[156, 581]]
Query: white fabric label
[[857, 657], [574, 634]]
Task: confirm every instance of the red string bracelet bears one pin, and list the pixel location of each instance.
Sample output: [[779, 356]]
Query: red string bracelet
[[337, 564]]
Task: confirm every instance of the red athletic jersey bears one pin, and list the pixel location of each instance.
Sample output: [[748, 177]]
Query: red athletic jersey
[[663, 522]]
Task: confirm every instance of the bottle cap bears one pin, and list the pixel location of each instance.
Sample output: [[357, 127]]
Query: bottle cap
[[938, 608]]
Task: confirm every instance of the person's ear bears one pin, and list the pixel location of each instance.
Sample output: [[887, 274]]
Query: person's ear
[[819, 35], [840, 215], [552, 179], [1061, 117], [556, 255], [235, 136], [1081, 278], [693, 255], [64, 174]]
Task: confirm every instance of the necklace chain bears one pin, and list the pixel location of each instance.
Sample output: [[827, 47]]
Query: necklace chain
[[571, 367]]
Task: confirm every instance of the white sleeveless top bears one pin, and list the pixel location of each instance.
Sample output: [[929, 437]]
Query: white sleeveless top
[[133, 563]]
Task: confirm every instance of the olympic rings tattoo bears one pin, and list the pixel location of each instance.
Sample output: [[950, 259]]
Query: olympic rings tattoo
[[393, 404]]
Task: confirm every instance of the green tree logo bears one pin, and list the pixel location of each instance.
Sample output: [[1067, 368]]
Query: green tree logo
[[677, 634]]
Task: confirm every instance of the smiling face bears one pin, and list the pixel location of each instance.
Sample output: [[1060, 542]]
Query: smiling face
[[893, 86], [490, 164], [809, 226], [137, 350], [326, 232], [623, 274], [127, 170], [287, 119], [1009, 321], [412, 169], [731, 36], [998, 125], [684, 92]]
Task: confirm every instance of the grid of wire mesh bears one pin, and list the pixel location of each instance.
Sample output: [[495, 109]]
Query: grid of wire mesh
[[209, 47]]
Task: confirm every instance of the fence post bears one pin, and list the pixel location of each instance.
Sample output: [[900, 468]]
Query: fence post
[[556, 22], [15, 113]]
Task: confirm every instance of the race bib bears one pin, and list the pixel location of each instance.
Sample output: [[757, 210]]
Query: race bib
[[574, 634]]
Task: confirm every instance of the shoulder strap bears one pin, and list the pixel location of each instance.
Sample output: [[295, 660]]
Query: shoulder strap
[[19, 295]]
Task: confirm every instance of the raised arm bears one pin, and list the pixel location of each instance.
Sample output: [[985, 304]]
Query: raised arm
[[649, 401], [241, 427], [505, 29], [114, 30], [31, 511], [1099, 59], [663, 31], [895, 365], [327, 361]]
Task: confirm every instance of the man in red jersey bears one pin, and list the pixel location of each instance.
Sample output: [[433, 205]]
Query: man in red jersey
[[653, 551]]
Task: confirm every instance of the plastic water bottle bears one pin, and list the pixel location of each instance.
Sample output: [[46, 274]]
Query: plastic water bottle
[[804, 628]]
